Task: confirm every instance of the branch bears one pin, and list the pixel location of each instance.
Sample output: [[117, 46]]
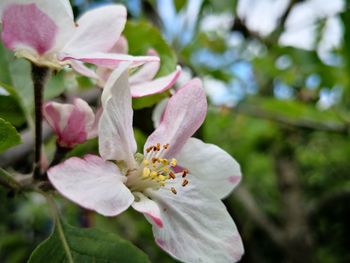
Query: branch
[[299, 123], [258, 216]]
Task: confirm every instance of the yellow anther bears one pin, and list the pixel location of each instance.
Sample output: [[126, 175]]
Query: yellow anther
[[161, 177], [165, 161], [145, 162], [154, 174], [161, 183], [173, 162], [146, 172], [166, 170]]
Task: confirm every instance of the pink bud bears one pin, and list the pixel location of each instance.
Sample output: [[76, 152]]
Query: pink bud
[[73, 123]]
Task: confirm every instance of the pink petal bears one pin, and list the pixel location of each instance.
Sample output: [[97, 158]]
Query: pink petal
[[98, 30], [149, 208], [121, 47], [155, 86], [78, 125], [92, 183], [59, 13], [107, 59], [116, 135], [214, 167], [147, 72], [184, 114], [71, 122], [196, 225], [57, 115], [158, 112], [27, 27], [83, 70]]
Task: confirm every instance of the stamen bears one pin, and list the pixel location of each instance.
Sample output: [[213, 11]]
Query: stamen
[[173, 190], [146, 172], [184, 173], [172, 175], [173, 162], [184, 183]]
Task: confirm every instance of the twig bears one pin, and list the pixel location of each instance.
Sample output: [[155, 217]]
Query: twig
[[258, 216], [39, 76]]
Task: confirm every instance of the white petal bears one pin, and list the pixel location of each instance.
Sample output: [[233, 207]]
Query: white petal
[[184, 114], [158, 112], [214, 167], [116, 135], [196, 225], [92, 183], [147, 72], [149, 208], [83, 70], [98, 30], [105, 59], [155, 86]]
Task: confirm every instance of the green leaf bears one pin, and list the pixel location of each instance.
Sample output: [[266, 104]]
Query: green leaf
[[72, 244], [8, 135], [143, 36], [10, 107]]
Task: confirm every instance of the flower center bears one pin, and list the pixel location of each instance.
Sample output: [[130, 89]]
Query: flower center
[[154, 171]]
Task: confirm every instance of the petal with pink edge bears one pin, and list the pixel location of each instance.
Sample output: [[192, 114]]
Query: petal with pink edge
[[107, 59], [213, 167], [197, 226], [78, 125], [149, 208], [57, 115], [116, 135], [155, 86], [83, 70], [98, 30], [147, 72], [27, 27], [184, 114], [59, 13], [121, 47], [158, 112], [92, 183]]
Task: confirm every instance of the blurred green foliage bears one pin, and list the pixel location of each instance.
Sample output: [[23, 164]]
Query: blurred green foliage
[[257, 129]]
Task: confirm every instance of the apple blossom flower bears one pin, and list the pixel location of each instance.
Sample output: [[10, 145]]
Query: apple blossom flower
[[143, 81], [45, 33], [73, 123], [177, 183]]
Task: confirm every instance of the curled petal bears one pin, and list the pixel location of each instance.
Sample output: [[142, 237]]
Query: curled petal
[[158, 112], [92, 183], [149, 208], [97, 30], [107, 59], [184, 114], [214, 168], [147, 72], [83, 70], [155, 86], [116, 135], [197, 226]]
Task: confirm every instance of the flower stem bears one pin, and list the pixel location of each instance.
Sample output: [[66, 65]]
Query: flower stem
[[39, 76]]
